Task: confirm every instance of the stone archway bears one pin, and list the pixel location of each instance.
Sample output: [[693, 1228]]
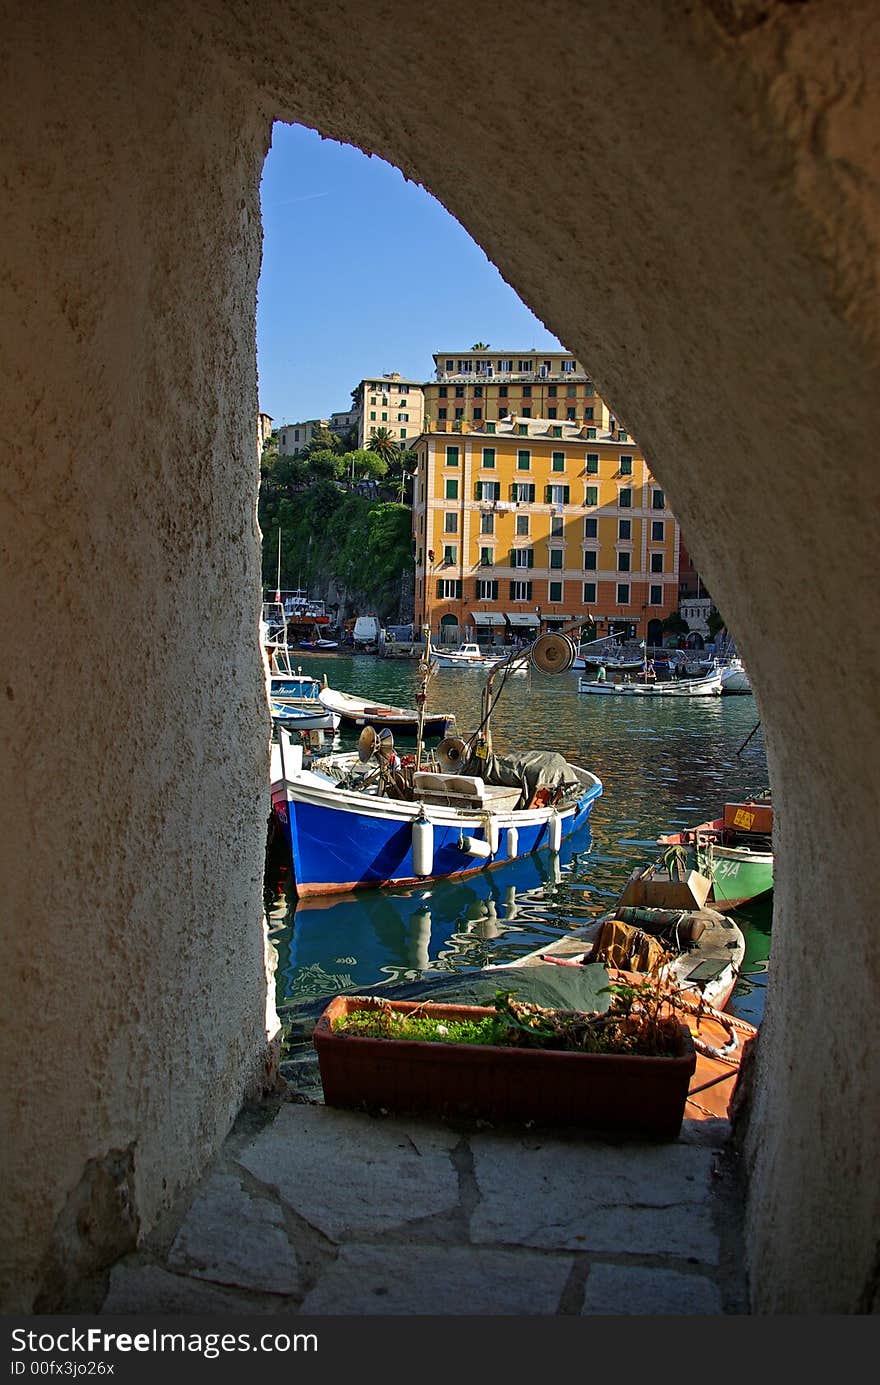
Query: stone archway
[[708, 245]]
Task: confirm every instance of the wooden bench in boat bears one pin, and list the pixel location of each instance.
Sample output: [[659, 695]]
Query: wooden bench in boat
[[463, 791]]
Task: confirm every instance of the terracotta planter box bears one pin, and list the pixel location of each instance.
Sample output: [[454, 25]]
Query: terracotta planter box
[[619, 1092]]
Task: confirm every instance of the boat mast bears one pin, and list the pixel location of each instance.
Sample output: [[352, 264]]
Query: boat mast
[[278, 571], [425, 671]]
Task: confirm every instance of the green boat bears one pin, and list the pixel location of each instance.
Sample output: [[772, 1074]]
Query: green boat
[[734, 852]]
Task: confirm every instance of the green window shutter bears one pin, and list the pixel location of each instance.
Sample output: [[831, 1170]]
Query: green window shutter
[[494, 591], [513, 490], [458, 590], [548, 491], [528, 591], [440, 589], [592, 495], [531, 558], [566, 492], [531, 493], [512, 586]]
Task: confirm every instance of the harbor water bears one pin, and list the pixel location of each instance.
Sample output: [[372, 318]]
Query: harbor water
[[664, 764]]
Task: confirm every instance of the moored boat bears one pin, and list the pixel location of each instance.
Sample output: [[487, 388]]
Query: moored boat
[[375, 818], [469, 656], [735, 852], [708, 686], [358, 712], [295, 718]]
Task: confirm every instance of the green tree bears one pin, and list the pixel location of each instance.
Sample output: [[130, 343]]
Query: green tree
[[323, 439], [384, 444], [322, 464], [715, 622], [480, 346], [362, 465]]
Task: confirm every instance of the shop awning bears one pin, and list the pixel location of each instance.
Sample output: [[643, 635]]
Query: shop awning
[[521, 618], [486, 617], [554, 616]]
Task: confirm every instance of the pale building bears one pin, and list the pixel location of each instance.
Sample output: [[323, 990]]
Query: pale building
[[388, 401]]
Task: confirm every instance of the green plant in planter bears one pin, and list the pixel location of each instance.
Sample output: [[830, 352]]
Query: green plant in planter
[[638, 1021]]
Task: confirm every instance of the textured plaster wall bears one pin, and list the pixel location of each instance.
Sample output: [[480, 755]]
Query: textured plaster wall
[[134, 791], [688, 197]]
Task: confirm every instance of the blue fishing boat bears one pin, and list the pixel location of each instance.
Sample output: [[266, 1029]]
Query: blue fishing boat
[[373, 818]]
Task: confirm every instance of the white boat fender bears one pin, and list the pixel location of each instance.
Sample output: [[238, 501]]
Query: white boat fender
[[512, 842], [554, 832], [490, 831], [474, 847], [423, 845]]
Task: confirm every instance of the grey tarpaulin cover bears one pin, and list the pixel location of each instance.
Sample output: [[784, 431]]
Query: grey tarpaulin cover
[[531, 770]]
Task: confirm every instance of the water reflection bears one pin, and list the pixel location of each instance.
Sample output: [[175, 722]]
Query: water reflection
[[663, 766]]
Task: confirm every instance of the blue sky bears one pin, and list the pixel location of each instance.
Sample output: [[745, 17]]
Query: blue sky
[[364, 273]]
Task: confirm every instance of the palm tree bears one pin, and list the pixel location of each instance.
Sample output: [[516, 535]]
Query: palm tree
[[384, 444], [480, 346]]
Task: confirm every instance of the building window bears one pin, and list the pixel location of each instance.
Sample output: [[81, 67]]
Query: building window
[[523, 492], [591, 495], [556, 557], [656, 530], [523, 461], [506, 366], [569, 414], [591, 432], [557, 462], [623, 563], [526, 413], [551, 413], [567, 367], [487, 590], [557, 495], [465, 367], [656, 597], [555, 432], [557, 526], [478, 414], [592, 463], [490, 428], [403, 418], [442, 392], [489, 457], [450, 554], [452, 488], [478, 391], [522, 557], [658, 500], [624, 528], [459, 413], [623, 436], [588, 413], [450, 365], [403, 432], [488, 490], [384, 417], [523, 429], [526, 391], [459, 391], [656, 562], [626, 466], [571, 391], [551, 391], [625, 499], [450, 522], [487, 522], [525, 367], [486, 558], [452, 456], [520, 591], [623, 593], [448, 589], [373, 416], [555, 591], [591, 560], [522, 525], [502, 391], [589, 593], [442, 413], [591, 528]]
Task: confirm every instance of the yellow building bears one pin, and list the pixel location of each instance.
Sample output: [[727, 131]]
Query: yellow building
[[523, 524], [481, 386]]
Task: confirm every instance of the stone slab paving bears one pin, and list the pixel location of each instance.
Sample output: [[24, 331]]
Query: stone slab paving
[[440, 1281], [312, 1210], [232, 1237]]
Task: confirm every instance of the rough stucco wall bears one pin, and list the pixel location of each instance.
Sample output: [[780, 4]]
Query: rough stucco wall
[[688, 197], [134, 800]]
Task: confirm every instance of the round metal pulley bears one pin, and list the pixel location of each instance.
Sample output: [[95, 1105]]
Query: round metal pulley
[[552, 653], [452, 753], [366, 746]]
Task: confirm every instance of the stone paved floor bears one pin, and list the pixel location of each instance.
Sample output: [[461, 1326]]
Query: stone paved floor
[[310, 1210]]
